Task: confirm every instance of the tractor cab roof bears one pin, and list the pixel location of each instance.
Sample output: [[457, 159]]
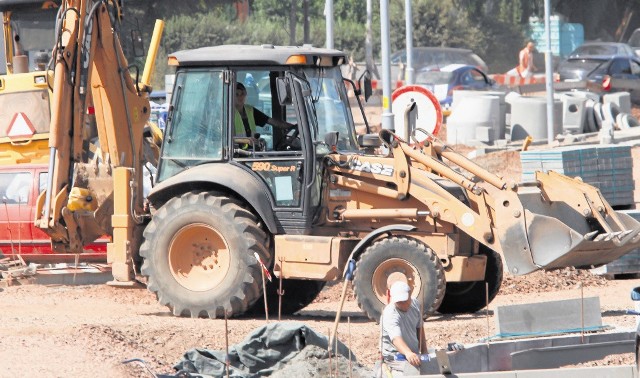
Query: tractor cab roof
[[259, 55]]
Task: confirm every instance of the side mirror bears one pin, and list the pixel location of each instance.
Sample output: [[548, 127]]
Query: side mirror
[[137, 43], [284, 91], [331, 139], [366, 85]]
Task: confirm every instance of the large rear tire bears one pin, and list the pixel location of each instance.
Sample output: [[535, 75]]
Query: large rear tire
[[416, 261], [198, 255], [469, 297], [298, 294]]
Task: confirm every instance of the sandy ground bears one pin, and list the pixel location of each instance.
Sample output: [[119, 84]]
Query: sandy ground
[[87, 331]]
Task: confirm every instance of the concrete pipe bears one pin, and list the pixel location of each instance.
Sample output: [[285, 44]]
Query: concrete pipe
[[529, 118], [597, 115], [499, 132], [590, 124], [476, 119], [628, 121], [610, 111]]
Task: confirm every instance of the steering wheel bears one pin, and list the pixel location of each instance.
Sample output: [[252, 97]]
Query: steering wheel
[[290, 142]]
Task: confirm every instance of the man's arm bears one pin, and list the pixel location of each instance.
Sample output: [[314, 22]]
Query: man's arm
[[262, 119], [280, 124], [403, 348]]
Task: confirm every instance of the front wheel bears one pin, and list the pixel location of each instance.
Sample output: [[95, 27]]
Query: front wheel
[[417, 262], [198, 255]]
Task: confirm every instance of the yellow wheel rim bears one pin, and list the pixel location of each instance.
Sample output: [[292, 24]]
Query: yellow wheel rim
[[384, 270], [199, 257]]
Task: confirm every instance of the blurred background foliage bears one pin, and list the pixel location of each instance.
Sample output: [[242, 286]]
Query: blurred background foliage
[[494, 29]]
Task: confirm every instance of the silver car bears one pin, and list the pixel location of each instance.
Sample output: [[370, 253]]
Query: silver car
[[438, 57]]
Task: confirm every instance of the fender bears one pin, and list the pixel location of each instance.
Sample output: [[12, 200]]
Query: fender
[[362, 244], [225, 177]]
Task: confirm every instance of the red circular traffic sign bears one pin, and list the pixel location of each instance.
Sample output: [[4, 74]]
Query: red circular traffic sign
[[429, 110]]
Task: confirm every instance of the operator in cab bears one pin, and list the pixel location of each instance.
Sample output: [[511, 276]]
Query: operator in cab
[[246, 117]]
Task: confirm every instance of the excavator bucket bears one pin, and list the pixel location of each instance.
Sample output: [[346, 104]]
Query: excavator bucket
[[562, 222], [558, 222]]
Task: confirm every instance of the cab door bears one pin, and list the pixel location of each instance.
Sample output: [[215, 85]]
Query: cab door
[[306, 110], [285, 166]]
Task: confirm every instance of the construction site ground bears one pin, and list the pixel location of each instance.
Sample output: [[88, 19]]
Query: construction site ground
[[87, 331]]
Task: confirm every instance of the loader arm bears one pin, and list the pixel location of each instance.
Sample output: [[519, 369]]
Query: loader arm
[[561, 222], [80, 203], [410, 180]]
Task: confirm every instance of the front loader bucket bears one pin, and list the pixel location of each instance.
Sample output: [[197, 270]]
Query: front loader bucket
[[566, 223]]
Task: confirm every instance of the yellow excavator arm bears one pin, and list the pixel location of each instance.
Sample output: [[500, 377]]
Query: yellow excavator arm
[[91, 74]]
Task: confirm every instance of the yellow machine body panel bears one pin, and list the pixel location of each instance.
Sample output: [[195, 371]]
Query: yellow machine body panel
[[25, 96]]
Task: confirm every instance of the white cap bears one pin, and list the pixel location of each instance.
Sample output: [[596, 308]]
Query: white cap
[[399, 292]]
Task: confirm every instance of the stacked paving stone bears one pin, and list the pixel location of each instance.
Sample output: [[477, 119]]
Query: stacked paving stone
[[607, 167]]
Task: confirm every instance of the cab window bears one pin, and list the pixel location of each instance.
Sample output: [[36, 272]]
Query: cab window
[[195, 132], [258, 95]]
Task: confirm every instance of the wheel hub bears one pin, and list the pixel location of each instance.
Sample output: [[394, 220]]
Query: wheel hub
[[199, 257], [395, 265]]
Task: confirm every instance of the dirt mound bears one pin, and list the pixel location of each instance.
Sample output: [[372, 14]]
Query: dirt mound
[[314, 361], [562, 279]]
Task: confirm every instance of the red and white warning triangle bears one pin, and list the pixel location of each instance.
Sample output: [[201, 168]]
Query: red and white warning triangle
[[20, 127]]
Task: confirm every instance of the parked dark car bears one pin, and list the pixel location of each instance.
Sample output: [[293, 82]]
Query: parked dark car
[[438, 57], [587, 57], [442, 82], [624, 70]]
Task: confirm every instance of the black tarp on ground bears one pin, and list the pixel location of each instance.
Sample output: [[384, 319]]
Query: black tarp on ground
[[261, 353]]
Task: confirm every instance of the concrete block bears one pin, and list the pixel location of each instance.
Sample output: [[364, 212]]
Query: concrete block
[[554, 316], [69, 278], [625, 371], [498, 356], [592, 372], [573, 114], [556, 357], [621, 99], [484, 134], [479, 111]]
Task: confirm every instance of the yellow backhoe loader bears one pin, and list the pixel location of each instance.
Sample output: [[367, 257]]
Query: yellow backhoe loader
[[306, 200], [28, 30]]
